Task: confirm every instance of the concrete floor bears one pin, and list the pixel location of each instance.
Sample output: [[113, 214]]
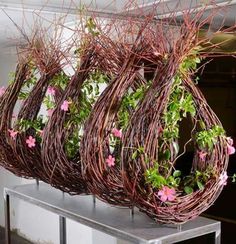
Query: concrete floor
[[14, 238]]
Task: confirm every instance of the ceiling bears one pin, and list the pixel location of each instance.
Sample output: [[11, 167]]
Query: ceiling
[[23, 14]]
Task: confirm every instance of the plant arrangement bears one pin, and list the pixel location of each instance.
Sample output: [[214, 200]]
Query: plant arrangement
[[106, 129]]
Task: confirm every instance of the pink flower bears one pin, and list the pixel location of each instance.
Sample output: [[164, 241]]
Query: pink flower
[[110, 161], [167, 194], [223, 179], [202, 155], [51, 90], [116, 132], [40, 133], [230, 149], [159, 130], [230, 141], [156, 53], [2, 90], [30, 142], [65, 105], [13, 133], [50, 111]]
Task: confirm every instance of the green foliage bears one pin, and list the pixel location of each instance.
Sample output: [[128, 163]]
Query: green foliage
[[179, 105], [29, 83], [197, 180], [191, 61], [129, 103], [11, 77], [60, 80], [91, 27], [71, 146], [154, 178], [177, 173], [24, 125], [78, 113], [138, 152], [187, 105], [207, 138], [188, 189], [48, 102], [234, 178]]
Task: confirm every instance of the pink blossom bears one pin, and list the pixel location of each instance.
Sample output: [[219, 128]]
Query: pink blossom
[[2, 90], [110, 161], [230, 149], [51, 90], [31, 141], [65, 105], [223, 179], [159, 130], [167, 194], [50, 111], [116, 132], [13, 133], [41, 133], [156, 53], [230, 141], [202, 155]]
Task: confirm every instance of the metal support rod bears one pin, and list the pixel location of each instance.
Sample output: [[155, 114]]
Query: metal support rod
[[132, 212], [7, 218], [218, 236], [37, 182], [179, 227], [62, 229], [94, 200]]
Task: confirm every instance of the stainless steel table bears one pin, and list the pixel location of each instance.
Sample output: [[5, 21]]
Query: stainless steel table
[[117, 222]]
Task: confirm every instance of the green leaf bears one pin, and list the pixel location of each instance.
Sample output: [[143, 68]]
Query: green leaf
[[177, 180], [176, 147], [202, 125], [234, 178], [167, 154], [197, 60], [177, 173], [141, 150], [188, 189], [200, 185], [134, 155]]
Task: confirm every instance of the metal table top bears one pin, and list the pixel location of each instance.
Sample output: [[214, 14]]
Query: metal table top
[[109, 219]]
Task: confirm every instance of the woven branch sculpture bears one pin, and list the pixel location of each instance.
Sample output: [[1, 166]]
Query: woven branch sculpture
[[108, 130]]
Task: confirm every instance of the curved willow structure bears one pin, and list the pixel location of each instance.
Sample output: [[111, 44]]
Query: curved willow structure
[[106, 129]]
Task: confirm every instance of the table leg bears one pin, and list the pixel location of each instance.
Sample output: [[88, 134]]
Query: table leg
[[218, 237], [7, 218], [62, 229]]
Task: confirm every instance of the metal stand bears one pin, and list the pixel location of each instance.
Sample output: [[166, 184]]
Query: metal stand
[[116, 222], [218, 237], [179, 227], [62, 229], [132, 213], [7, 218], [94, 200], [37, 182]]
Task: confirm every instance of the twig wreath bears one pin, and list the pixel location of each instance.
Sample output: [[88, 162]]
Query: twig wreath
[[109, 131]]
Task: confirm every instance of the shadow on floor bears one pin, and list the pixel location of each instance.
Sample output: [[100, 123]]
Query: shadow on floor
[[14, 238]]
